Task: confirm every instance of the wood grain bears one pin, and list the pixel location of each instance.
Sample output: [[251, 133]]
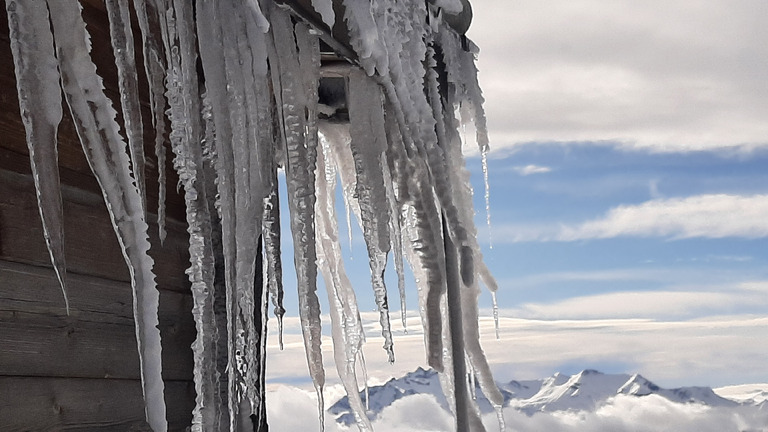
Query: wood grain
[[97, 339], [75, 404], [91, 247]]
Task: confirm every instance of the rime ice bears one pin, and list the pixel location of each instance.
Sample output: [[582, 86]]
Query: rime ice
[[238, 84]]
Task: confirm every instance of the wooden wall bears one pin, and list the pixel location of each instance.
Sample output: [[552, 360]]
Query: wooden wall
[[81, 372]]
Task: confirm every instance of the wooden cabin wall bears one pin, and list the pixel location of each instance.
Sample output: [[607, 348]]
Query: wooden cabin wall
[[81, 372]]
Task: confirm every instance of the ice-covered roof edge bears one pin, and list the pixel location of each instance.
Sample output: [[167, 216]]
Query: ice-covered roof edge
[[456, 13]]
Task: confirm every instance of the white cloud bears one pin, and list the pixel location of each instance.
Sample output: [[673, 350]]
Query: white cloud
[[656, 75], [666, 304], [532, 169], [706, 216]]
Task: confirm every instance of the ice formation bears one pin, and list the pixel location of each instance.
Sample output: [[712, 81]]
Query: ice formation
[[238, 83]]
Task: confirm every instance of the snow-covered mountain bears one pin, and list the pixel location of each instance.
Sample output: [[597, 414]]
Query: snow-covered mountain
[[585, 391]]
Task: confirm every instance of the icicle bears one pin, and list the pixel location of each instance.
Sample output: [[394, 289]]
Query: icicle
[[429, 263], [94, 120], [148, 17], [186, 135], [467, 415], [272, 153], [325, 9], [368, 144], [347, 331], [364, 370], [210, 39], [346, 168], [487, 195], [162, 179], [461, 69], [462, 192], [248, 71], [495, 315], [339, 144], [396, 235], [447, 376], [300, 167], [420, 213], [37, 82], [221, 342], [471, 378], [469, 309], [128, 82], [271, 234], [236, 74], [348, 197]]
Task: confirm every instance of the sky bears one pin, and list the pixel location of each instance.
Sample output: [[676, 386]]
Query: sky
[[628, 190]]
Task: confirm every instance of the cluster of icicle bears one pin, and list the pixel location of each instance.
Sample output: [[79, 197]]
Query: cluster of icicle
[[237, 81]]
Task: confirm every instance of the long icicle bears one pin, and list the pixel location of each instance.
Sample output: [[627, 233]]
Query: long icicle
[[250, 72], [240, 295], [94, 120], [300, 173], [214, 66], [148, 19], [128, 82], [368, 144], [186, 136], [272, 204], [396, 236], [37, 82], [347, 333]]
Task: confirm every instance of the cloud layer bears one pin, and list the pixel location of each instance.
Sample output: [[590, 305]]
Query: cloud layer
[[657, 304], [712, 351], [290, 409], [656, 75], [703, 216]]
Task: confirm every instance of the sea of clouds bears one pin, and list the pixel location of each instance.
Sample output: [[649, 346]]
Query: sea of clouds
[[292, 409]]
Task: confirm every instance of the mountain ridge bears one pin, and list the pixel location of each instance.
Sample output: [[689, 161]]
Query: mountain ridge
[[586, 391]]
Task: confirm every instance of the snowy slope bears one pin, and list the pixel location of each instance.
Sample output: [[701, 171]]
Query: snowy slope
[[585, 391], [589, 389], [419, 381], [745, 393]]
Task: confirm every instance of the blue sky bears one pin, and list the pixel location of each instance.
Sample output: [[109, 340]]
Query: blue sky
[[629, 189], [534, 258]]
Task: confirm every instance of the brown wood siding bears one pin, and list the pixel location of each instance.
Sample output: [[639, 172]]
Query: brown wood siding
[[81, 372]]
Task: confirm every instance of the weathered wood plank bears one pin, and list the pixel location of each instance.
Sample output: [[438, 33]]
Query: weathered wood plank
[[71, 156], [54, 347], [91, 246], [96, 340], [55, 404]]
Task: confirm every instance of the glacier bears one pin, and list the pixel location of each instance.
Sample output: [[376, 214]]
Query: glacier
[[239, 85]]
